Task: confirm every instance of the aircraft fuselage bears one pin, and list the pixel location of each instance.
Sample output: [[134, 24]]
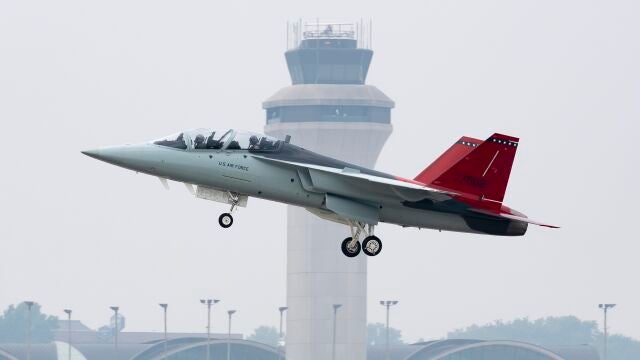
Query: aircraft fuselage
[[248, 173]]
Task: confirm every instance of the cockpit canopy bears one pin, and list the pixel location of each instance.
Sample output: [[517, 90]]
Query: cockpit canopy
[[216, 139]]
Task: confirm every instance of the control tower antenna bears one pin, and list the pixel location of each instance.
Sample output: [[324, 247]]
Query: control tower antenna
[[370, 34], [298, 32]]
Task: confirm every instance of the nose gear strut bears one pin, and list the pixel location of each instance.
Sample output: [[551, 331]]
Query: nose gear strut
[[226, 219]]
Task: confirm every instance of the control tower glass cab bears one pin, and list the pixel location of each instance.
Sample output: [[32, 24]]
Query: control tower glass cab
[[328, 54], [328, 108]]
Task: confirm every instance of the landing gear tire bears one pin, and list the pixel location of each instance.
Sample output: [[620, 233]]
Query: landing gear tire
[[225, 220], [371, 245], [350, 251]]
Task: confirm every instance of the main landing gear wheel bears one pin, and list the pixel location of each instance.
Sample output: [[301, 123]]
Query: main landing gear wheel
[[371, 245], [225, 220], [350, 248]]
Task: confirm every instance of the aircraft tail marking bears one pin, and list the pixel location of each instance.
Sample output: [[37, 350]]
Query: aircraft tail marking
[[455, 153], [484, 171]]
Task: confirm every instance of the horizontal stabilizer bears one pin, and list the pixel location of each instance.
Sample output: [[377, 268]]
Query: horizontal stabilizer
[[512, 217]]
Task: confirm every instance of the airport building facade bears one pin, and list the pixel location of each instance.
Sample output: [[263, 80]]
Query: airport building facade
[[195, 349]]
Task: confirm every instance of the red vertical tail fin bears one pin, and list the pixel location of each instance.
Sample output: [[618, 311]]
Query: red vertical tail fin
[[483, 172], [455, 153]]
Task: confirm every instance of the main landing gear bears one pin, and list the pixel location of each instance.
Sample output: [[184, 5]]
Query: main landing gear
[[371, 245], [226, 220]]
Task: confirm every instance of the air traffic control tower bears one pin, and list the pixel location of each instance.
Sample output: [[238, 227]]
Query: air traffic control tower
[[330, 110]]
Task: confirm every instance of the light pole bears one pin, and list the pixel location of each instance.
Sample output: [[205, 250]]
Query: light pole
[[230, 312], [208, 303], [282, 309], [68, 312], [164, 310], [115, 341], [388, 304], [29, 306], [604, 308], [333, 343]]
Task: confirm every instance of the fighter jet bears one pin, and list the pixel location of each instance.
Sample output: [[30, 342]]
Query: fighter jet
[[461, 191]]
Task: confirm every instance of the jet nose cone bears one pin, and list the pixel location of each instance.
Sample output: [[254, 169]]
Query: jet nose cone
[[134, 157], [94, 153], [108, 154]]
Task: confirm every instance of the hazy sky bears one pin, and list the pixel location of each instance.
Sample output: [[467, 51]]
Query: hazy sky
[[78, 233]]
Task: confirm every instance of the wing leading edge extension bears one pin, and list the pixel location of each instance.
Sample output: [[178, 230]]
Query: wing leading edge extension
[[352, 181]]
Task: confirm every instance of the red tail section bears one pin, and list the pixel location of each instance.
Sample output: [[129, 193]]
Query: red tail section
[[484, 171], [455, 153]]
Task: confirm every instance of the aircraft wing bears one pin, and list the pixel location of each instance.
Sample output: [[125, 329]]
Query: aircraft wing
[[351, 183], [353, 195]]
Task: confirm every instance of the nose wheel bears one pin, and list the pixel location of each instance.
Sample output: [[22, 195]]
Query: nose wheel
[[225, 220]]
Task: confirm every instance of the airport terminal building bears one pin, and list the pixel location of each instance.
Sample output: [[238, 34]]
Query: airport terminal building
[[176, 349], [463, 349], [195, 349], [89, 344]]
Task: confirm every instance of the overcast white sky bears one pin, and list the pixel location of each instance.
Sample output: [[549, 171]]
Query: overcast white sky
[[77, 233]]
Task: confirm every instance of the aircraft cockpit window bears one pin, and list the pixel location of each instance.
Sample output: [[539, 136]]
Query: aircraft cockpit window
[[214, 140], [208, 139], [225, 136], [199, 142], [174, 141], [253, 141], [211, 140], [266, 143]]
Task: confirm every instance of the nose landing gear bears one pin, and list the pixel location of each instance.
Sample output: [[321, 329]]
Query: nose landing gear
[[371, 245], [226, 219]]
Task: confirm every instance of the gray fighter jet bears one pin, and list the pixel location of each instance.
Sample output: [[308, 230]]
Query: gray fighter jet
[[461, 191]]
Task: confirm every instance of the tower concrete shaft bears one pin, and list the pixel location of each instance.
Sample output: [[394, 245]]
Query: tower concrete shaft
[[328, 110], [318, 274]]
